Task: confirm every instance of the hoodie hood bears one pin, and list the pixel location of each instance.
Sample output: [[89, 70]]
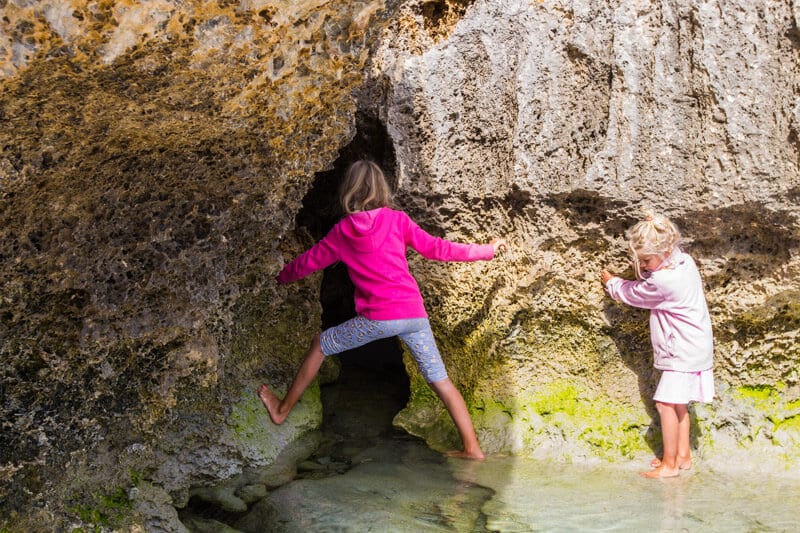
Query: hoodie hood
[[365, 230]]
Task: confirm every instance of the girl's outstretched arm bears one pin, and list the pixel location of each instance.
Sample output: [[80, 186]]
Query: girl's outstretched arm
[[440, 249], [638, 293], [319, 256]]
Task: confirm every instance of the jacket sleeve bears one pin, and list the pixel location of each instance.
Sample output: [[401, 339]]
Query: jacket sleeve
[[640, 293], [319, 256], [440, 249]]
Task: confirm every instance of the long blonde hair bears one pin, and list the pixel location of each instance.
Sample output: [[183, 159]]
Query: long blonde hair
[[364, 187], [655, 235]]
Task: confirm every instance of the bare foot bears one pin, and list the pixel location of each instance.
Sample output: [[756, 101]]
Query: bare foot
[[272, 403], [661, 472], [683, 464], [463, 454]]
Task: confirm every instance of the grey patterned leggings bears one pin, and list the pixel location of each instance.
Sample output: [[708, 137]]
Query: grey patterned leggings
[[415, 332]]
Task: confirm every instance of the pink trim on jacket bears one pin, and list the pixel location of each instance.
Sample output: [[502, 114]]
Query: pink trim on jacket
[[680, 325], [373, 246]]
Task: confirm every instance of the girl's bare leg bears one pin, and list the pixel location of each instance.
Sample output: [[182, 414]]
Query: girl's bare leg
[[279, 409], [684, 457], [457, 408], [670, 423]]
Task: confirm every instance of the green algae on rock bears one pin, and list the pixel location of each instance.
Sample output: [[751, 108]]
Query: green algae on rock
[[556, 420], [258, 439]]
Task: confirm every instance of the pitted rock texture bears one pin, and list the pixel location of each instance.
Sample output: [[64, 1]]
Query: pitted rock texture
[[154, 162], [152, 159], [557, 124]]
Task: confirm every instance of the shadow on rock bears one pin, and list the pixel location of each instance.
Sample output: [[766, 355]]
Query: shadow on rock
[[630, 332]]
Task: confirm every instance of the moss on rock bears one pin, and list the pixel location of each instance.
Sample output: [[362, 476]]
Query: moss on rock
[[258, 439], [558, 414]]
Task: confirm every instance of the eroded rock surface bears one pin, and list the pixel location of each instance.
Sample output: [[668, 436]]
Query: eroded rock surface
[[557, 124], [153, 158]]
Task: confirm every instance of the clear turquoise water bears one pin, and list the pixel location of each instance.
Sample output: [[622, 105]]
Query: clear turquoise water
[[370, 477], [536, 496], [402, 486]]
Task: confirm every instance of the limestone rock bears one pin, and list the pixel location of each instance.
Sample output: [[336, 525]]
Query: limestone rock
[[156, 160], [152, 160], [556, 124]]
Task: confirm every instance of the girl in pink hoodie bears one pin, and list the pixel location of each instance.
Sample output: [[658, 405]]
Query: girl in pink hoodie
[[371, 240], [668, 283]]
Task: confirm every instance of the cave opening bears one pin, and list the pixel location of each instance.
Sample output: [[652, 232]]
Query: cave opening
[[372, 386]]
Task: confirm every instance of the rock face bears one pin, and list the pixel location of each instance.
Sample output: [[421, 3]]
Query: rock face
[[153, 158], [556, 124]]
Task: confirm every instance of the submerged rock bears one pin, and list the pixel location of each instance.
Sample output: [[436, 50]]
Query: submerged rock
[[384, 489]]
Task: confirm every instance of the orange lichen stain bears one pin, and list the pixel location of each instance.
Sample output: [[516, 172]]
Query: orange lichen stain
[[230, 33], [361, 20], [258, 89]]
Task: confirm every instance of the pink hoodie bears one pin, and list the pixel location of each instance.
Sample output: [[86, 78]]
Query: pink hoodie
[[373, 246], [680, 326]]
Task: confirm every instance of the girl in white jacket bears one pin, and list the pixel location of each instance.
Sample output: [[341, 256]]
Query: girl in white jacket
[[668, 283]]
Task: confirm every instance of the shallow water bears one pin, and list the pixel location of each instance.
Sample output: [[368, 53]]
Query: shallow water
[[370, 477], [538, 496], [400, 485]]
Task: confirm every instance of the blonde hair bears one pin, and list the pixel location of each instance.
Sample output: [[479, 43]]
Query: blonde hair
[[655, 235], [364, 187]]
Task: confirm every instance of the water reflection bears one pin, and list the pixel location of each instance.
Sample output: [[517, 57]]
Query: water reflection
[[542, 496], [400, 485], [368, 476]]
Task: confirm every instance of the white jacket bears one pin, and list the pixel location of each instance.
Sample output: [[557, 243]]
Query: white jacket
[[680, 325]]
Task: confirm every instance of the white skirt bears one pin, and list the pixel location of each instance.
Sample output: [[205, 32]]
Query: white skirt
[[684, 387]]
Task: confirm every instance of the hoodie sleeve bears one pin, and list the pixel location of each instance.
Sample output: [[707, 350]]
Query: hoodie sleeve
[[440, 249], [319, 256], [640, 293]]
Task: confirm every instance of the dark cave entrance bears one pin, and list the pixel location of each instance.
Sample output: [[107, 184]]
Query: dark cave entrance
[[372, 385]]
